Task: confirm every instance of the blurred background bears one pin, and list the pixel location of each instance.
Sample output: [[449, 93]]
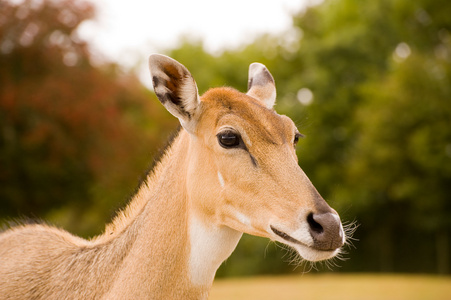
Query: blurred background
[[367, 82]]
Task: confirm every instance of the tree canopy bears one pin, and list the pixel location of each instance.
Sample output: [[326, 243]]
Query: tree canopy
[[72, 132]]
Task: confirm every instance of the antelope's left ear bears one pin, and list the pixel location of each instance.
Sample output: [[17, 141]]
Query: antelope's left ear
[[261, 85], [176, 89]]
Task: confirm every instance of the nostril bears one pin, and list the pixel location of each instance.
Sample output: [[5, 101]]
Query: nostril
[[314, 226], [326, 230]]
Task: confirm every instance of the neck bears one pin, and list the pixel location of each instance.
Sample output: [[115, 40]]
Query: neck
[[173, 251], [210, 246]]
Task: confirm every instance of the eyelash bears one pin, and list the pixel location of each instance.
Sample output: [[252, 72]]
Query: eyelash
[[297, 136]]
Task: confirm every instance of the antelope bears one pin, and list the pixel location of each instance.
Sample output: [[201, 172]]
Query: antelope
[[231, 169]]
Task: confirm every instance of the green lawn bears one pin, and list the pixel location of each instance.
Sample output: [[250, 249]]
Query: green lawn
[[334, 286]]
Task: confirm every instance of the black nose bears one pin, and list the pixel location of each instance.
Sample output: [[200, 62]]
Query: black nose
[[326, 231]]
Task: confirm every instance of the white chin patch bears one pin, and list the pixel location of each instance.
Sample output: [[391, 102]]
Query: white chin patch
[[311, 254]]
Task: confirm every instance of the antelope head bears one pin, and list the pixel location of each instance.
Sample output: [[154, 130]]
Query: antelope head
[[243, 171]]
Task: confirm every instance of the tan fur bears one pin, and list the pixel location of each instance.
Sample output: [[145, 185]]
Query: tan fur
[[137, 261], [188, 215]]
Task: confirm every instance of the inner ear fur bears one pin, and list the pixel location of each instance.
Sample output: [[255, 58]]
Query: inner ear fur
[[261, 85], [175, 88]]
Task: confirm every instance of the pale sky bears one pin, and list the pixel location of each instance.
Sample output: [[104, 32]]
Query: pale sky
[[127, 31]]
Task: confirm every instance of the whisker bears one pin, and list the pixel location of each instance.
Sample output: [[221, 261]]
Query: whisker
[[349, 230]]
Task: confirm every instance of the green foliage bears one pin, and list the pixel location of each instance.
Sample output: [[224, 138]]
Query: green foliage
[[74, 138], [378, 148], [256, 255]]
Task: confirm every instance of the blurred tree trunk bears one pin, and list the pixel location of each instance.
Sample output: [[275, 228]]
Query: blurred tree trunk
[[386, 250], [442, 248]]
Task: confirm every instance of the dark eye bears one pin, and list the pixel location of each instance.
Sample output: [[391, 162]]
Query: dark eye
[[297, 136], [229, 139]]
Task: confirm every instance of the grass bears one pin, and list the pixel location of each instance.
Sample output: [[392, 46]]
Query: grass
[[334, 286]]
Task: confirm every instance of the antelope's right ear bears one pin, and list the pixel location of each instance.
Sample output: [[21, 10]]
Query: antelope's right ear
[[176, 89], [261, 85]]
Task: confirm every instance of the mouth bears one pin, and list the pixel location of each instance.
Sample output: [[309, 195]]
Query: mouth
[[307, 252], [287, 237]]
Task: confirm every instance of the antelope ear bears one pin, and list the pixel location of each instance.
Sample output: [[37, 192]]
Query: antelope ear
[[176, 89], [261, 85]]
